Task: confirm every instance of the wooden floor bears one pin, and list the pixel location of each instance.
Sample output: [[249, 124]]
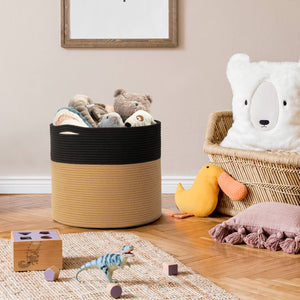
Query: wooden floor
[[246, 272]]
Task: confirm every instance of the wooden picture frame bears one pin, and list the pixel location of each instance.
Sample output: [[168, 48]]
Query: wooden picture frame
[[67, 41]]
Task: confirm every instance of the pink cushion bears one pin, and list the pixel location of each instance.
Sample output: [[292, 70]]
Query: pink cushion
[[270, 225]]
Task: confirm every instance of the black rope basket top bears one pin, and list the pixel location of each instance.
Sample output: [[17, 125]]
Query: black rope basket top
[[107, 146]]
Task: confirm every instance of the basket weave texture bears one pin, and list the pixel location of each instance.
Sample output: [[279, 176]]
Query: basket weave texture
[[269, 176], [106, 177]]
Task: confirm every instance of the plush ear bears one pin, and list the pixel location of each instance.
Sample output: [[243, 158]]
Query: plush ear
[[119, 92], [238, 58], [236, 61], [149, 98], [80, 99], [237, 65]]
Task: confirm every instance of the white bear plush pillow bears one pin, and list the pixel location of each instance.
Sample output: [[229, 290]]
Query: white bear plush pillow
[[265, 105]]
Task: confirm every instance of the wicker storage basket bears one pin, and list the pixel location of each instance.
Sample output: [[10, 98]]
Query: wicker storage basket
[[269, 176], [106, 177]]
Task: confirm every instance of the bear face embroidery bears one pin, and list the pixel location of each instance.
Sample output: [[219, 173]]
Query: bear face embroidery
[[264, 107]]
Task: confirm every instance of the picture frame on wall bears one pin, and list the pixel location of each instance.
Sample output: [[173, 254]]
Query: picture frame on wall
[[118, 23]]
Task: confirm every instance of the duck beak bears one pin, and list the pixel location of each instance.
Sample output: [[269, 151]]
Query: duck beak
[[233, 189]]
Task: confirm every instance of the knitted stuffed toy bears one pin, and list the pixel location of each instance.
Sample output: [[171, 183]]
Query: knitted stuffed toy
[[93, 112], [98, 111], [126, 104]]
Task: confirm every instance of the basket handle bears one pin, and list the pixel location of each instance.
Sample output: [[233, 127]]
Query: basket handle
[[68, 129]]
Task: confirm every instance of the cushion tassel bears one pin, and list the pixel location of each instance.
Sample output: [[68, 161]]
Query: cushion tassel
[[290, 245], [256, 239], [236, 237], [274, 240], [219, 232]]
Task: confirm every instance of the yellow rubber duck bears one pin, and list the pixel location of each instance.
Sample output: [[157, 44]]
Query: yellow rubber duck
[[202, 198]]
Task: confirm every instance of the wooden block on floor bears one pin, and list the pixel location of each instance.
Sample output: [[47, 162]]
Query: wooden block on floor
[[170, 268], [114, 290], [52, 273], [36, 250]]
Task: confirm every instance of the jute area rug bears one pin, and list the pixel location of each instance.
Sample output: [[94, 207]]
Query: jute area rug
[[143, 280]]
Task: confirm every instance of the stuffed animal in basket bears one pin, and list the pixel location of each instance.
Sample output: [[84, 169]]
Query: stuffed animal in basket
[[93, 112], [265, 105], [202, 198], [70, 116], [111, 120], [126, 104], [139, 118]]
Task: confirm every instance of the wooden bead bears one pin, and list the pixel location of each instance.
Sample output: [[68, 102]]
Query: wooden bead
[[170, 268], [52, 273], [114, 290]]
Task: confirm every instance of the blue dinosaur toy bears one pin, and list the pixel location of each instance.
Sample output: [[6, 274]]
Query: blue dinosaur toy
[[108, 263]]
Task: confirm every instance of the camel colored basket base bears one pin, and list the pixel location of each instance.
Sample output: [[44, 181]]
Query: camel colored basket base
[[269, 176], [106, 196]]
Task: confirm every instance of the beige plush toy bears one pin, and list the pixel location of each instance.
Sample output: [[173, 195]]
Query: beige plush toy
[[93, 112], [140, 118], [98, 111], [127, 104]]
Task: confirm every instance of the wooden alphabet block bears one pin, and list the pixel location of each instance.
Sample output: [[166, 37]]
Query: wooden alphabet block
[[52, 273], [36, 250], [114, 290], [170, 268]]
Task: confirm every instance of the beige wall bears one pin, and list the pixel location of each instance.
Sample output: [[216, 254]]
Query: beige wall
[[37, 76]]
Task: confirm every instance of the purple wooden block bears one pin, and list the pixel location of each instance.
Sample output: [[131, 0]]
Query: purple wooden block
[[173, 269], [52, 273], [49, 275], [114, 290], [170, 268]]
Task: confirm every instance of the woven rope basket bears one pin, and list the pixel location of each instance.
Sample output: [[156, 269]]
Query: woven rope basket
[[106, 177], [269, 176]]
